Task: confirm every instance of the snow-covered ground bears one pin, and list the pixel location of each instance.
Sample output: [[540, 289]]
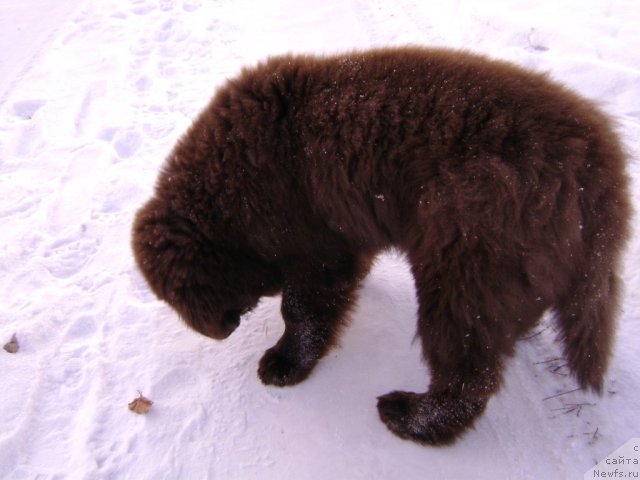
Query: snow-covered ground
[[92, 97]]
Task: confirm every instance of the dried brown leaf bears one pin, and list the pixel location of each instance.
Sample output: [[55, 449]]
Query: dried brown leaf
[[12, 346], [140, 405]]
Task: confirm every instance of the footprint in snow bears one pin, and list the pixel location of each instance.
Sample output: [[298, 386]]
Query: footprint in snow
[[27, 108], [67, 256], [107, 134], [126, 142], [142, 8], [165, 31], [191, 5], [171, 29], [143, 83], [166, 5], [82, 327], [142, 50]]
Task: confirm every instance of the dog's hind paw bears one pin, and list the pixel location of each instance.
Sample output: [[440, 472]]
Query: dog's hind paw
[[426, 418]]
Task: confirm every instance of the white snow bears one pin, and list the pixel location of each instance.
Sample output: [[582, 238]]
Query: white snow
[[92, 97]]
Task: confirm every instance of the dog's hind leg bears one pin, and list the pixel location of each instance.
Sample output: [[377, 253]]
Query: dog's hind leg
[[471, 311]]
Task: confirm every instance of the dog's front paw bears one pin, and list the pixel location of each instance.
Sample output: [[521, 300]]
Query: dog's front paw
[[281, 370], [433, 420]]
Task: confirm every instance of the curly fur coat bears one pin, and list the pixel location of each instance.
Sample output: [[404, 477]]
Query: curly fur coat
[[506, 192]]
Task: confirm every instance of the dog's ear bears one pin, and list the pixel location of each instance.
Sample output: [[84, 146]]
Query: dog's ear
[[167, 248]]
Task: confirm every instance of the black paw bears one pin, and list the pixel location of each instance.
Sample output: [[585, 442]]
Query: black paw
[[428, 419], [280, 370]]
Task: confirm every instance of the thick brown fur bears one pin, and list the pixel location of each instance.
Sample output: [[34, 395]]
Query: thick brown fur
[[506, 191]]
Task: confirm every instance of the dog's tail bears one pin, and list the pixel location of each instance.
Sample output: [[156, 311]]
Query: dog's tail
[[587, 326], [586, 314]]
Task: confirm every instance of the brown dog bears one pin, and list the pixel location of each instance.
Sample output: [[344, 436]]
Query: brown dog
[[506, 191]]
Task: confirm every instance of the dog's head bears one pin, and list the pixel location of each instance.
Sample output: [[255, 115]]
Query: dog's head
[[208, 283]]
